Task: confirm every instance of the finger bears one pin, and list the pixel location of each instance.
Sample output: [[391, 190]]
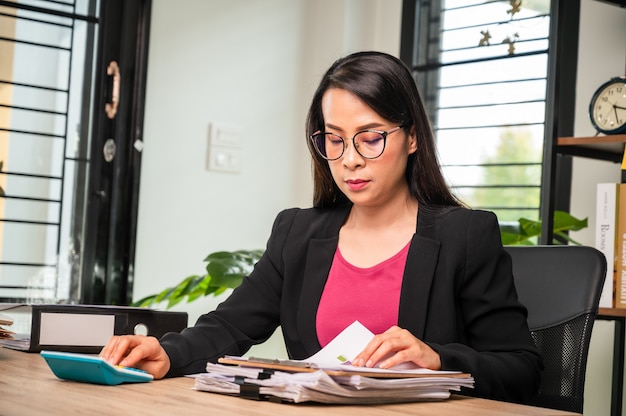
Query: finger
[[149, 356], [134, 356], [387, 347], [107, 350], [120, 346], [364, 356], [140, 349], [391, 342], [393, 329], [417, 353], [395, 359], [373, 352]]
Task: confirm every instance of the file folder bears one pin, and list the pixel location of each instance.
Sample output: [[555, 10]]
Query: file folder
[[83, 328]]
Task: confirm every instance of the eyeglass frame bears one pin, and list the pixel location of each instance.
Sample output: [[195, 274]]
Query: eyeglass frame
[[345, 146]]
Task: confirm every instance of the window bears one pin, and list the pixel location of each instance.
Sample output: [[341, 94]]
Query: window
[[69, 168], [482, 69], [44, 73]]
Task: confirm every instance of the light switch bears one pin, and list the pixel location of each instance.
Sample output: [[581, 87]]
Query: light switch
[[225, 159], [225, 148], [223, 134]]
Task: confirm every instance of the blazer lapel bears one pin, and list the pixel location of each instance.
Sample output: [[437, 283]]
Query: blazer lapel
[[320, 255], [419, 274], [319, 258]]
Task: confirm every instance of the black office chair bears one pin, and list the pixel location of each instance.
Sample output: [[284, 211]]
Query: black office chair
[[560, 286]]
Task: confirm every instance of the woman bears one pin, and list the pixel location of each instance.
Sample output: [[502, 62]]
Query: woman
[[386, 243]]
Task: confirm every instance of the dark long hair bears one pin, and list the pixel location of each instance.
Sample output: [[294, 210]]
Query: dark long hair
[[385, 84]]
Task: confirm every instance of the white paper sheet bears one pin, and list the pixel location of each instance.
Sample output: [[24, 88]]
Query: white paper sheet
[[344, 347]]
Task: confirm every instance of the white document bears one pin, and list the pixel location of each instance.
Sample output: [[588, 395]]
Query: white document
[[344, 347], [339, 352]]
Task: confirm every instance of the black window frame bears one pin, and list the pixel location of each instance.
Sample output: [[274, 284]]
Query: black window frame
[[561, 84]]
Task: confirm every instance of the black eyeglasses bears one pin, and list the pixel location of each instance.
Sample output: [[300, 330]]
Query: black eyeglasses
[[368, 143]]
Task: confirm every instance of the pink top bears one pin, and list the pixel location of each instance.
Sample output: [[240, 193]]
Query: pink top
[[370, 295]]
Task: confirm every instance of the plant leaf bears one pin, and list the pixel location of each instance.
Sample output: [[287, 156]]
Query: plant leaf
[[178, 293], [228, 280], [165, 294], [225, 270], [531, 228], [563, 221], [525, 230], [221, 267], [145, 302], [563, 236]]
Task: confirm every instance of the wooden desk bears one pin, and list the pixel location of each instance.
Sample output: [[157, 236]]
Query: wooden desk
[[618, 316], [28, 387]]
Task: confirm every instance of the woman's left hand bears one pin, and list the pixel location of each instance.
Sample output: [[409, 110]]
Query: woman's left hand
[[396, 346]]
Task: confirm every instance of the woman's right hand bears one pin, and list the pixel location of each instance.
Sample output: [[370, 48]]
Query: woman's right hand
[[137, 351]]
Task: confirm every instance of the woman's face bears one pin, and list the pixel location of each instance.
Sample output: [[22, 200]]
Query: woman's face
[[366, 182]]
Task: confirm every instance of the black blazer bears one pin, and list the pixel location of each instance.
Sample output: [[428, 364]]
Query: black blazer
[[457, 295]]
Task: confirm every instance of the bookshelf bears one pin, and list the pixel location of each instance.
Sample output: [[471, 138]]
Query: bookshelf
[[609, 148], [559, 166]]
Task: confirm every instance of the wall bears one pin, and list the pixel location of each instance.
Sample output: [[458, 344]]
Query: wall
[[249, 63], [602, 55]]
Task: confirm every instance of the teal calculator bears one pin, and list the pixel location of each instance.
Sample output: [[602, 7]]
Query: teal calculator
[[91, 369]]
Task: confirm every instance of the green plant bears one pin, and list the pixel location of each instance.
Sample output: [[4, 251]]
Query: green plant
[[225, 269], [525, 231]]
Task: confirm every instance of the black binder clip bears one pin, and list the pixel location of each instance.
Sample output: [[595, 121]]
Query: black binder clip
[[265, 374], [247, 390]]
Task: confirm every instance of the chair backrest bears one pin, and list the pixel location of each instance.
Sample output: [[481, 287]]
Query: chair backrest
[[560, 286]]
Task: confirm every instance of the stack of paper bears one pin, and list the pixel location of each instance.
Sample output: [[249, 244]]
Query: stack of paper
[[319, 386], [328, 377], [4, 332]]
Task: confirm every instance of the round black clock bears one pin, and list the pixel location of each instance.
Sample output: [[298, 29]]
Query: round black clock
[[607, 108]]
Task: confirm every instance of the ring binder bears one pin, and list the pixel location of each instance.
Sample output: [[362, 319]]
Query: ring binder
[[83, 328]]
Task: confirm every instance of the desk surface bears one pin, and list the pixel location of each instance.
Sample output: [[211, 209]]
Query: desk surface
[[27, 386]]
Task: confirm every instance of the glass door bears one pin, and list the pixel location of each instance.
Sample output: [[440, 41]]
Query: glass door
[[65, 163]]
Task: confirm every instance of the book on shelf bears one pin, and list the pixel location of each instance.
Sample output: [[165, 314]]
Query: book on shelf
[[82, 328], [607, 200]]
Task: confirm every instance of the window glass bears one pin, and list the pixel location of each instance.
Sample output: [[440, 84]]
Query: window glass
[[486, 91], [45, 74]]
